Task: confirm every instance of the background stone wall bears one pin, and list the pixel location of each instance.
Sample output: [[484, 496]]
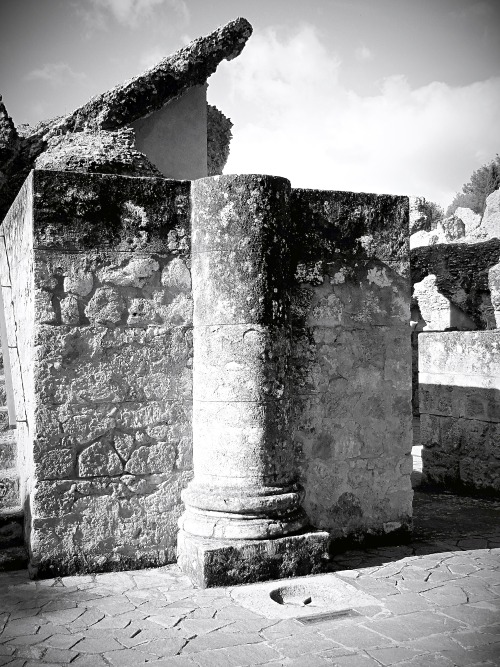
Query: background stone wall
[[460, 409], [352, 384]]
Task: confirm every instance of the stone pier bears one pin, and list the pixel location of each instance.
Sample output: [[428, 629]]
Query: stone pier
[[243, 519]]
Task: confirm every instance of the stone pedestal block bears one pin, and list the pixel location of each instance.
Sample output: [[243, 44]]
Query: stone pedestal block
[[210, 562]]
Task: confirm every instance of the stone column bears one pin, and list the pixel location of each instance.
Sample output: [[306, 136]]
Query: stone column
[[245, 497]]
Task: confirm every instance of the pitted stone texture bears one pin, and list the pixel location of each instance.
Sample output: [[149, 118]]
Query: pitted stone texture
[[462, 276], [96, 152], [241, 250], [460, 410], [99, 460], [105, 398], [351, 372], [438, 312], [133, 273], [106, 305], [111, 212], [211, 563]]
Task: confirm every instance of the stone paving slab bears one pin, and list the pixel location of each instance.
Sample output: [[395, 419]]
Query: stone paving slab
[[435, 602]]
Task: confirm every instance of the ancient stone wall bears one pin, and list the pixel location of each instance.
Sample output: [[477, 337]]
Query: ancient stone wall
[[460, 409], [352, 389], [104, 313], [104, 309]]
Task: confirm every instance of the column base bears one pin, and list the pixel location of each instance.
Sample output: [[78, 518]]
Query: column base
[[210, 562]]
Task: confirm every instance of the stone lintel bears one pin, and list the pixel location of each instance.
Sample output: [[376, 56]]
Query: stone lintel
[[210, 562]]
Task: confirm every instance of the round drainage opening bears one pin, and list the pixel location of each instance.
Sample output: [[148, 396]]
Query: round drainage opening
[[292, 595]]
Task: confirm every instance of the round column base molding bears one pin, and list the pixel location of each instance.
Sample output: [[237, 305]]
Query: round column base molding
[[227, 526]]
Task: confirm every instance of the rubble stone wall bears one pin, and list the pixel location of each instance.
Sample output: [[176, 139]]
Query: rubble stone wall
[[352, 393], [108, 385], [460, 409]]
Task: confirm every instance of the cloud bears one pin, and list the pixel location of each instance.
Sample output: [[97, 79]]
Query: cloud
[[56, 74], [363, 54], [293, 116], [131, 12]]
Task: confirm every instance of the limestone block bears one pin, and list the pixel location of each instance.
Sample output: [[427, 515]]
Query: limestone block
[[55, 464], [124, 444], [461, 354], [86, 364], [158, 458], [69, 310], [133, 273], [79, 282], [470, 219], [107, 305], [44, 310], [142, 312], [176, 275], [99, 460], [494, 285], [490, 224]]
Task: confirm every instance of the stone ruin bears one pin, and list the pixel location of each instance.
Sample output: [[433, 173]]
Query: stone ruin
[[202, 367], [456, 346]]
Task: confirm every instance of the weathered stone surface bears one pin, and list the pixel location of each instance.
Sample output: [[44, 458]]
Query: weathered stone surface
[[218, 139], [106, 305], [94, 152], [211, 563], [133, 273], [353, 225], [438, 312], [460, 410], [490, 223], [108, 211], [351, 371], [462, 274], [99, 460], [109, 405], [470, 219]]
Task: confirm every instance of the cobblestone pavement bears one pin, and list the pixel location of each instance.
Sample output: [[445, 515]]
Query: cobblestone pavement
[[438, 604]]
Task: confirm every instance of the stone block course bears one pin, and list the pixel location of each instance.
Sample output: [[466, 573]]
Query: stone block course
[[460, 410]]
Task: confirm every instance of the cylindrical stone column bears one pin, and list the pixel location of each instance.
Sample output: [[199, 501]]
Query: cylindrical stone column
[[244, 484]]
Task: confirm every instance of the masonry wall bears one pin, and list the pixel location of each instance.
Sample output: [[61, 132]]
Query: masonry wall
[[352, 383], [105, 314], [460, 410], [108, 367]]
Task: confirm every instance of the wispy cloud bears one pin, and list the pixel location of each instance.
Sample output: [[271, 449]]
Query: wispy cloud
[[363, 53], [131, 12], [295, 116], [56, 74]]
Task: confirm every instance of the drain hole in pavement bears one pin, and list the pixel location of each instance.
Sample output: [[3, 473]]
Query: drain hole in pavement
[[328, 616], [291, 595]]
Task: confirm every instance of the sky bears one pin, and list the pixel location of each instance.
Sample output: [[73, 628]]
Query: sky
[[386, 96]]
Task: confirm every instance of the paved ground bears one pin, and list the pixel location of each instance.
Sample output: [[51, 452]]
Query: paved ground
[[438, 604]]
